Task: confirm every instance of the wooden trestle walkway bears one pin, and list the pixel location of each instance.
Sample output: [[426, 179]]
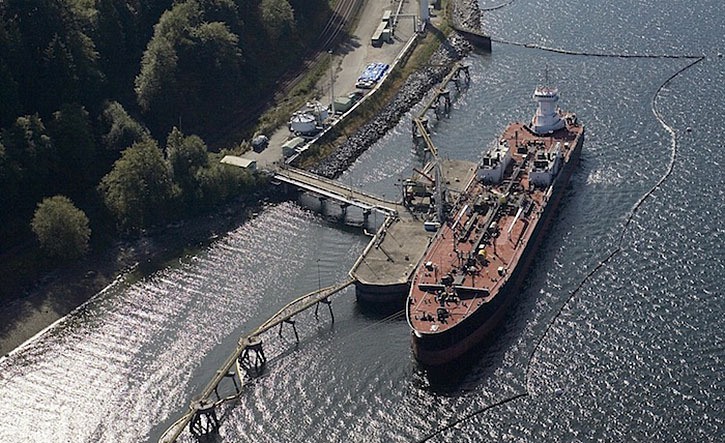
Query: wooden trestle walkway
[[331, 189], [247, 360]]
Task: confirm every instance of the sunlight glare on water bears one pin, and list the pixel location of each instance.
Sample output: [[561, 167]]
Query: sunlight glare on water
[[636, 355]]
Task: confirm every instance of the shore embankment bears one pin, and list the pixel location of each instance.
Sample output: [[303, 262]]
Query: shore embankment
[[467, 14], [67, 287]]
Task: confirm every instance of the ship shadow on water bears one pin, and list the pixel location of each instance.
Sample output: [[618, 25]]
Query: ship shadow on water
[[468, 371], [380, 311]]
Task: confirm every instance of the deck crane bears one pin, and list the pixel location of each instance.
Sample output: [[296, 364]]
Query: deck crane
[[440, 190]]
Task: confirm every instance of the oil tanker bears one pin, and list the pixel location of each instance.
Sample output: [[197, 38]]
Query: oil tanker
[[480, 254]]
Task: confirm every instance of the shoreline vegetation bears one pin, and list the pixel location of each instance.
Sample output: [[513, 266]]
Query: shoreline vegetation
[[57, 290]]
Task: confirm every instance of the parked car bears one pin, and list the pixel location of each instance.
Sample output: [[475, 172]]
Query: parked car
[[259, 143]]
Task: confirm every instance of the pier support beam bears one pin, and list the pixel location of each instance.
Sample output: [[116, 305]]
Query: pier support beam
[[328, 302], [366, 216], [343, 208], [416, 133], [205, 420], [294, 328], [443, 104], [233, 376], [462, 78], [252, 358]]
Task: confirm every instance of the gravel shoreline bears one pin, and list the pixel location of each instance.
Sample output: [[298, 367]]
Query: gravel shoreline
[[66, 288]]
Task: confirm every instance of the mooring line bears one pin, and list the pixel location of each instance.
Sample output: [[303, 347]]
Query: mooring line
[[471, 415], [629, 218], [374, 324]]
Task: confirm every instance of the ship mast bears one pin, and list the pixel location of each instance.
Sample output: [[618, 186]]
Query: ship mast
[[439, 190]]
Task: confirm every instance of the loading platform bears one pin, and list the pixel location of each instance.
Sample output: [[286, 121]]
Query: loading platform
[[382, 272], [384, 268]]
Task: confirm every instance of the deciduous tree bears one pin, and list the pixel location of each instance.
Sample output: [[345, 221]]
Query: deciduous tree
[[138, 190], [61, 228]]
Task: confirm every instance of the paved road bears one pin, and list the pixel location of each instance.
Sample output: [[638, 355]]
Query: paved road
[[349, 60]]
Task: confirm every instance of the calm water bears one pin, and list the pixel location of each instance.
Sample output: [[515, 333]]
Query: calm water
[[635, 355]]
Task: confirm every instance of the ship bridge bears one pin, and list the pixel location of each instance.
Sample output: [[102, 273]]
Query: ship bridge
[[547, 118]]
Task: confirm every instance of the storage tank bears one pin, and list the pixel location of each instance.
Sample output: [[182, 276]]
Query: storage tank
[[317, 110], [302, 123]]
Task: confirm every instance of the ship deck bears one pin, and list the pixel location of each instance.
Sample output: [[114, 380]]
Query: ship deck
[[474, 252]]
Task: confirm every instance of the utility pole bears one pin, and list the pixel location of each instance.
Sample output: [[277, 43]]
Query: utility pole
[[332, 84]]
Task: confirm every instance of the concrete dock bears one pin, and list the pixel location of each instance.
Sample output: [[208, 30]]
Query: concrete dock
[[384, 269]]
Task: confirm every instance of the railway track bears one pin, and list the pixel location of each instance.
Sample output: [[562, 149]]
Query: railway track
[[343, 13], [340, 18]]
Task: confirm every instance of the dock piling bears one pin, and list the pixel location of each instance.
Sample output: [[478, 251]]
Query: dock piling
[[294, 328], [248, 356], [328, 302], [205, 420], [252, 358]]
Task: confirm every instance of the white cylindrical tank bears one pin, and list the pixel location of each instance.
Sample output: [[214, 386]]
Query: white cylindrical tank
[[302, 123], [318, 110]]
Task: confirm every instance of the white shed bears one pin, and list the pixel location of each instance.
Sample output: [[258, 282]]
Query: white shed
[[240, 162]]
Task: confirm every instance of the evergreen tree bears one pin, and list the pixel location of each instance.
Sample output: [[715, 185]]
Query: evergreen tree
[[72, 134], [186, 157], [119, 130], [30, 163], [278, 18]]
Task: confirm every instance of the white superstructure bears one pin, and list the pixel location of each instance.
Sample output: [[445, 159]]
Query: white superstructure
[[547, 164], [494, 163], [547, 118]]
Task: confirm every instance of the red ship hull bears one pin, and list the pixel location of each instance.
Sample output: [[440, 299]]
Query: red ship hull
[[455, 280]]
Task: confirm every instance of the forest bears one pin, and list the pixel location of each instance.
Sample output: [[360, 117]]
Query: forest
[[105, 106]]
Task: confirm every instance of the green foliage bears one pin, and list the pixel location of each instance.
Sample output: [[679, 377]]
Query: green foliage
[[9, 93], [186, 156], [191, 67], [278, 18], [50, 57], [61, 228], [72, 134], [29, 162], [98, 73], [120, 130], [220, 183], [139, 189]]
